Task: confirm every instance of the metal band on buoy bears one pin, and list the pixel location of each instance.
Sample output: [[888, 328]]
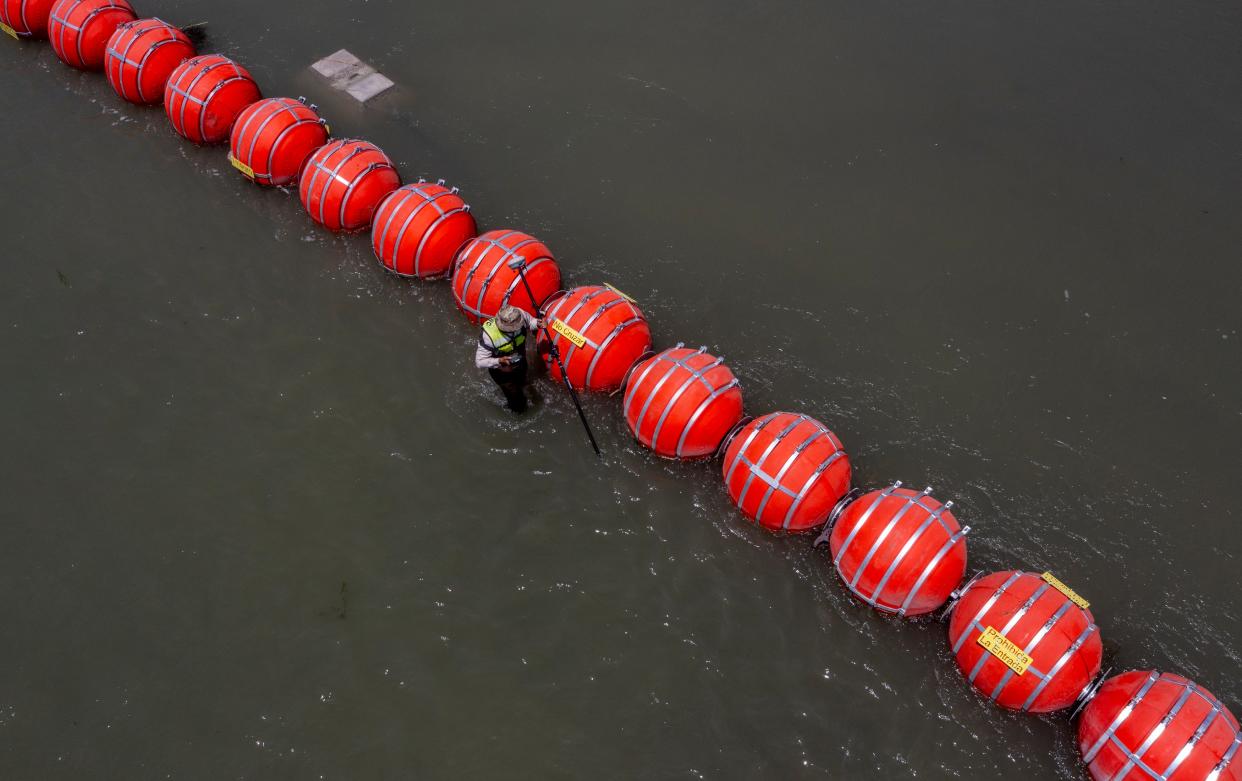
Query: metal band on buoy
[[680, 359], [800, 495], [698, 413], [957, 536], [996, 595], [596, 306], [676, 363], [617, 330], [849, 540], [901, 552], [298, 121], [696, 374], [754, 432], [186, 91], [506, 253], [21, 25], [327, 164], [934, 515], [1018, 653], [1056, 668], [428, 201], [63, 23], [794, 471], [134, 33], [756, 467]]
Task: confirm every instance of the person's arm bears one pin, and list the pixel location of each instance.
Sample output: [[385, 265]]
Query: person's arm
[[532, 322], [483, 357]]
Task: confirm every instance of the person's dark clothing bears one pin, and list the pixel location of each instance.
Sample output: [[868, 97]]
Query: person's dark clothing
[[512, 382]]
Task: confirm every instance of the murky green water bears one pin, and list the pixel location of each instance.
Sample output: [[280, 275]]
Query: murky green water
[[260, 518]]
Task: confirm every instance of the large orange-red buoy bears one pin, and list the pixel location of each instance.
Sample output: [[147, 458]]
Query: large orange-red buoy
[[343, 183], [1151, 725], [25, 18], [205, 95], [418, 229], [682, 403], [1025, 641], [599, 333], [141, 56], [485, 280], [898, 550], [786, 471], [273, 138], [79, 29]]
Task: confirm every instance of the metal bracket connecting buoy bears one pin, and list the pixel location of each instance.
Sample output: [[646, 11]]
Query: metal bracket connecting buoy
[[1089, 691], [630, 371], [845, 501], [956, 595], [733, 432]]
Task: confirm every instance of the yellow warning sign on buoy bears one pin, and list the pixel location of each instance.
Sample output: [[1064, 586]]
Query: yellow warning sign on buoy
[[1004, 649], [626, 296], [240, 166], [1070, 594], [564, 330]]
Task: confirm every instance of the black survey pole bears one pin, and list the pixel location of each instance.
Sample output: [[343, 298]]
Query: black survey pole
[[520, 265]]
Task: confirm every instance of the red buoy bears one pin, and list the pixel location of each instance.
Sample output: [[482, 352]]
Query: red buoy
[[272, 139], [1149, 725], [205, 95], [484, 281], [343, 183], [601, 333], [79, 29], [25, 18], [1037, 628], [899, 550], [141, 55], [681, 403], [785, 471], [418, 229]]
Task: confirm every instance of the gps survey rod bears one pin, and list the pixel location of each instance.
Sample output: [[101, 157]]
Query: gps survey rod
[[520, 265]]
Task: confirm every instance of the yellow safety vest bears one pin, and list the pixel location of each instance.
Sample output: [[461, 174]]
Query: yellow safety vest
[[502, 343]]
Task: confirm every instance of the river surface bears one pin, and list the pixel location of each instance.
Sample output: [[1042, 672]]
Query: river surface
[[261, 518]]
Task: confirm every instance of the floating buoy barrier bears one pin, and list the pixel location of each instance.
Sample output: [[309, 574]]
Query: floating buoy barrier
[[25, 18], [682, 403], [419, 228], [600, 333], [273, 138], [79, 29], [1026, 641], [141, 56], [786, 471], [205, 95], [1151, 725], [485, 279], [343, 183], [898, 550]]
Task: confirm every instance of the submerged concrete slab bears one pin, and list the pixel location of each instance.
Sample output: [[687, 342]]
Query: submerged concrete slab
[[369, 86], [352, 76], [340, 65]]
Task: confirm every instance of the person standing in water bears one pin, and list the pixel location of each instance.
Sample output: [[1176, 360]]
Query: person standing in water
[[502, 351]]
